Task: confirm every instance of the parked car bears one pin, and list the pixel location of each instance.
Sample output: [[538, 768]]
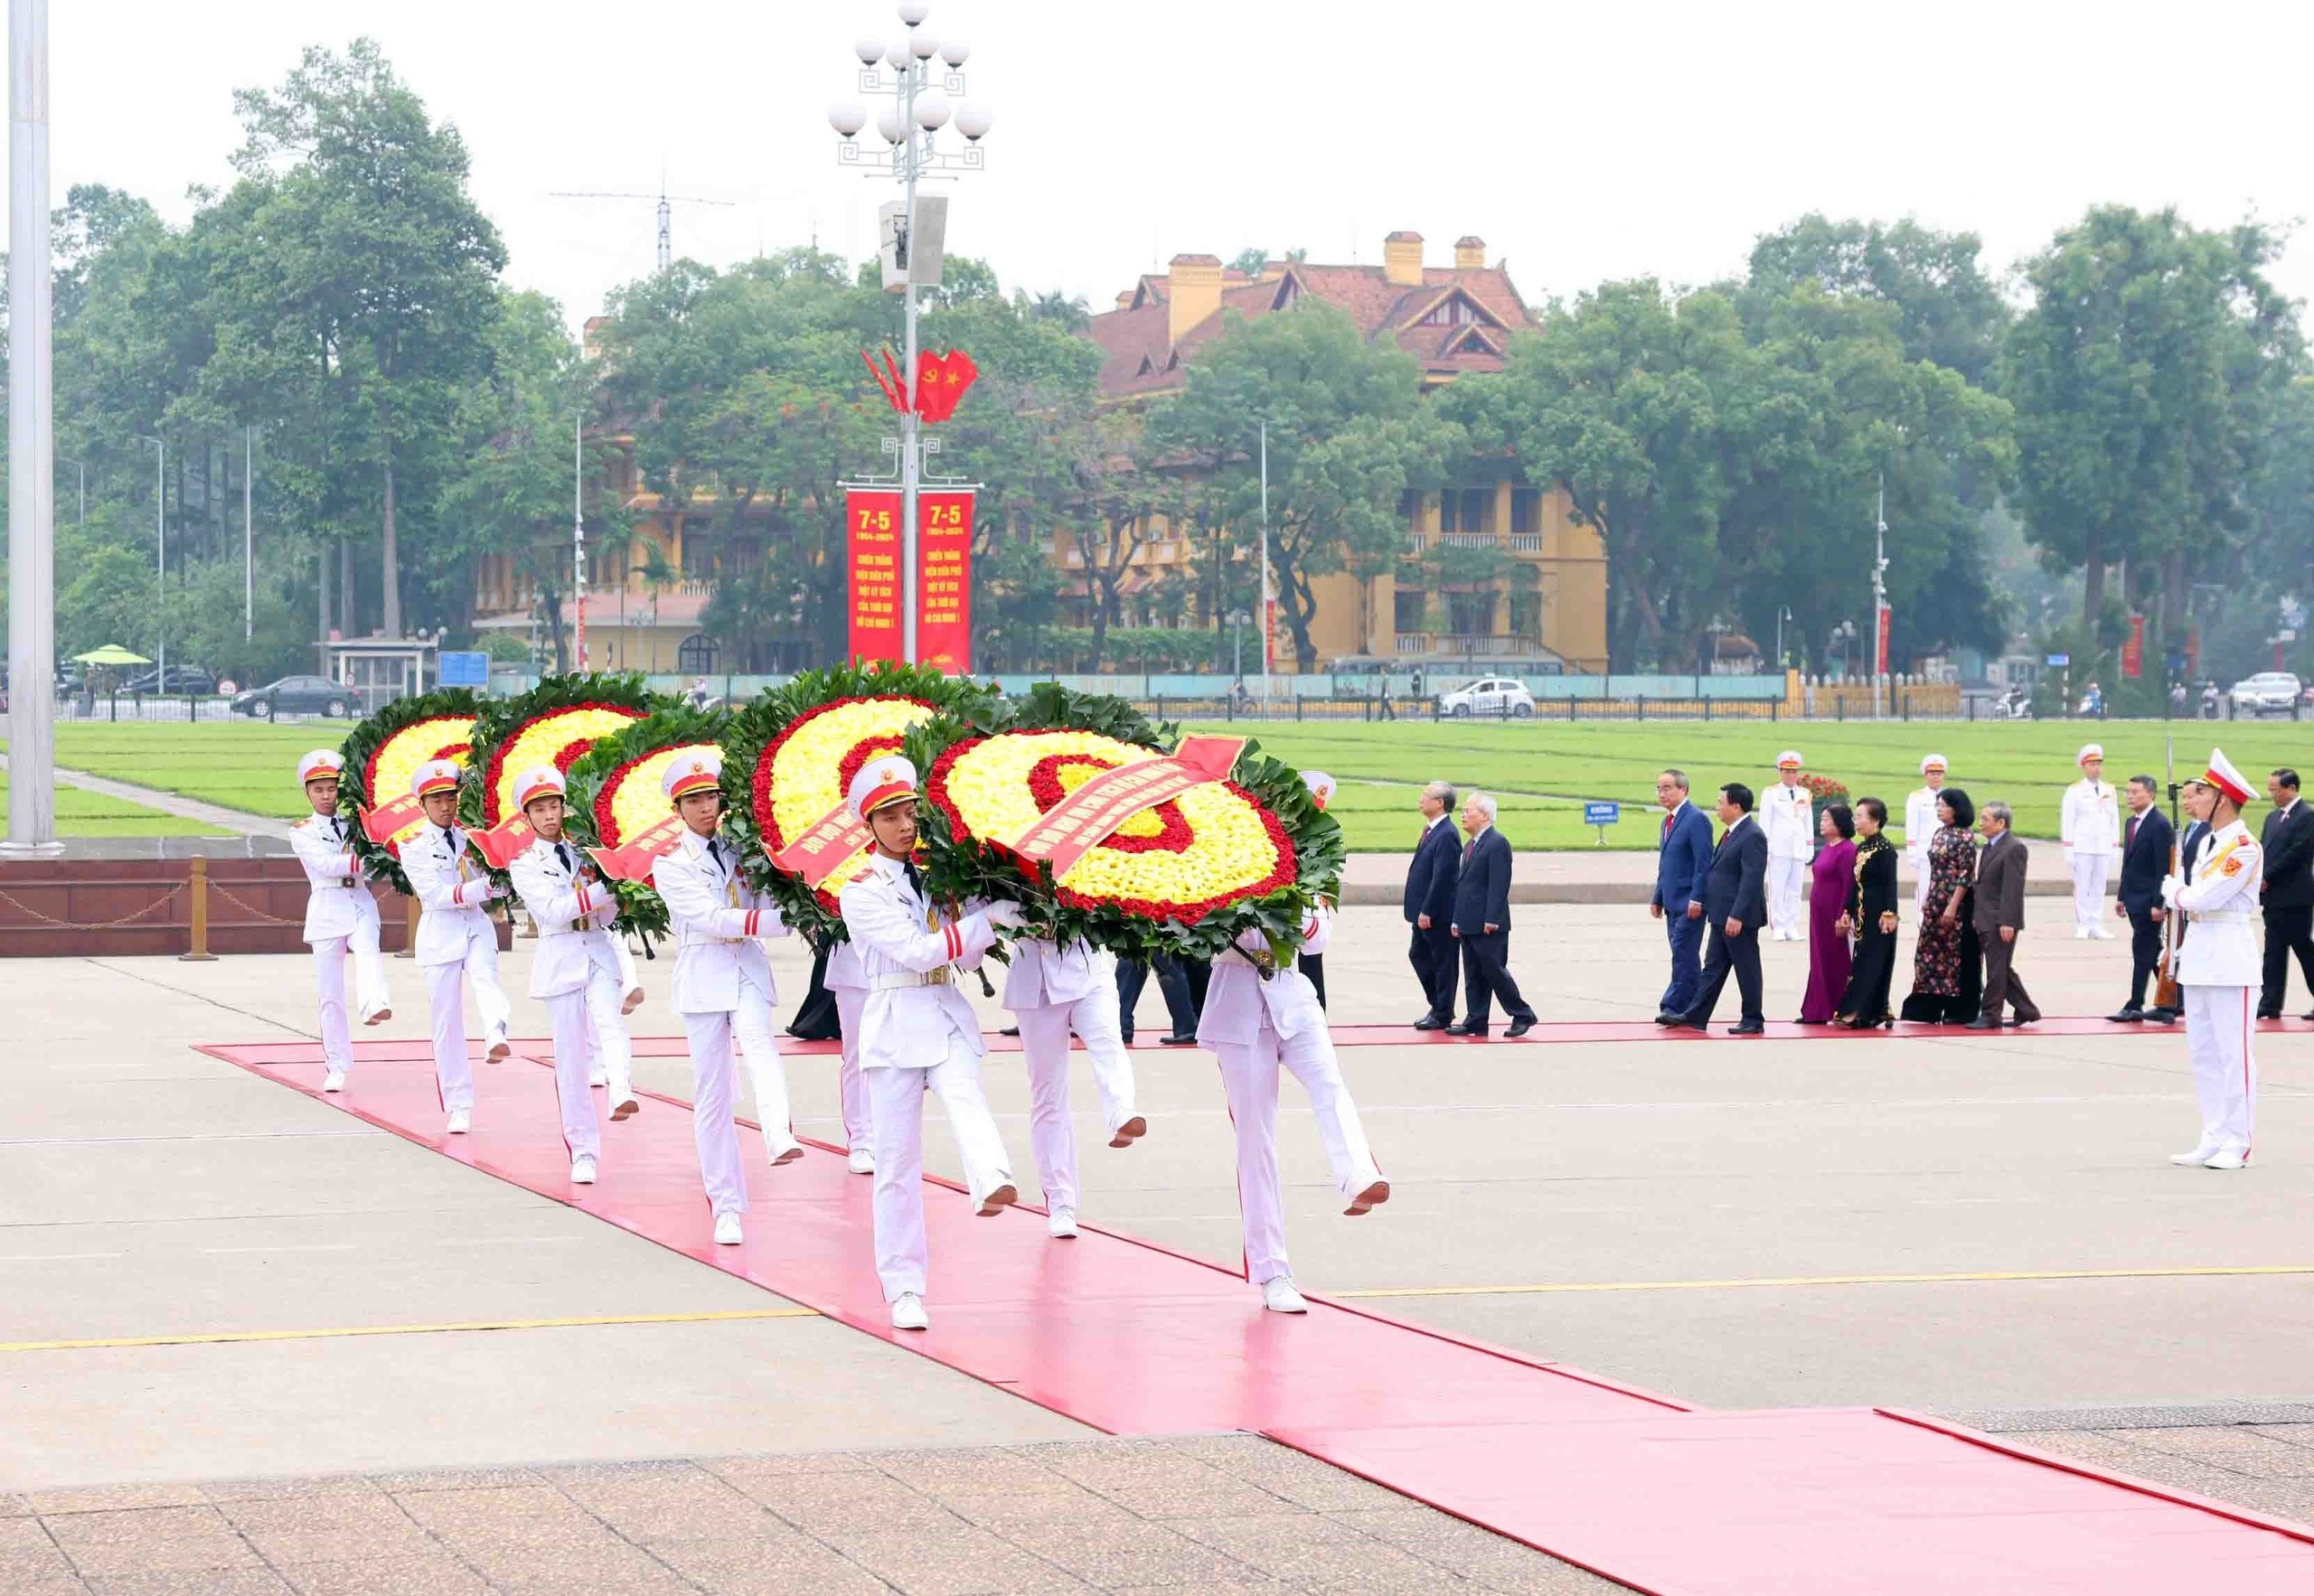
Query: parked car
[[297, 695], [183, 679], [2269, 692], [1489, 695]]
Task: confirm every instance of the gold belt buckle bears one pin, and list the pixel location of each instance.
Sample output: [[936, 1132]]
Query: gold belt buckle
[[942, 976]]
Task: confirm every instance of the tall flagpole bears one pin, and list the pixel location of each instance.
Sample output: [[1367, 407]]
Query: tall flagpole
[[578, 536], [1268, 623], [31, 443]]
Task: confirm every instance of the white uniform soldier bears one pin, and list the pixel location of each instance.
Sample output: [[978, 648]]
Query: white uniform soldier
[[1051, 991], [340, 917], [1254, 1025], [2091, 830], [575, 971], [1920, 826], [2217, 964], [723, 985], [918, 1033], [458, 944], [1787, 814], [849, 983]]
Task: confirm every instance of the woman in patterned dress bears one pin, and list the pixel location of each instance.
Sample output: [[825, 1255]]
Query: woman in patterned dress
[[1948, 975]]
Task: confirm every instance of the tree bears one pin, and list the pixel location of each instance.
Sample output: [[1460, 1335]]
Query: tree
[[1347, 433], [1947, 311]]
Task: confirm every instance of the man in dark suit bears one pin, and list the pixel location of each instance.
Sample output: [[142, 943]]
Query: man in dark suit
[[1431, 878], [1182, 982], [1735, 904], [1482, 925], [1999, 918], [1682, 862], [2146, 837], [2287, 894]]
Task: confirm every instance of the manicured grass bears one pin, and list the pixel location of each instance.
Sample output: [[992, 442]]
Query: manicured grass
[[250, 765], [91, 814], [2029, 764]]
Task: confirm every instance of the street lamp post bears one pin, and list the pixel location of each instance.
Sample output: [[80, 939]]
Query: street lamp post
[[160, 565], [1879, 590], [31, 443], [920, 107]]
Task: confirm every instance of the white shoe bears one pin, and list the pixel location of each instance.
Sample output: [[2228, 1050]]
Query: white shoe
[[1280, 1297], [583, 1169], [2200, 1155], [461, 1121], [335, 1081], [907, 1313], [499, 1049], [599, 1077], [1061, 1225], [726, 1230], [2081, 933], [787, 1152], [2231, 1158], [2100, 933], [862, 1161]]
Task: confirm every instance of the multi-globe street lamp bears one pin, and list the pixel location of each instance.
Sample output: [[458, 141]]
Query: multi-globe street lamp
[[919, 72]]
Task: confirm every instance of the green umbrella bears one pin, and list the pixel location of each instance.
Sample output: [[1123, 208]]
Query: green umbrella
[[112, 653]]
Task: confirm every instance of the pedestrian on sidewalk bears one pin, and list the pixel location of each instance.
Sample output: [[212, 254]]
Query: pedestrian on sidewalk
[[1871, 919], [2000, 918], [2286, 845], [340, 917], [1787, 816], [1948, 987], [1429, 907], [2145, 863], [1832, 876], [1483, 926], [2090, 826], [1683, 860]]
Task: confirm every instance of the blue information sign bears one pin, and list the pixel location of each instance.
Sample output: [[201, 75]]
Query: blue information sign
[[1595, 814], [466, 670], [2057, 660]]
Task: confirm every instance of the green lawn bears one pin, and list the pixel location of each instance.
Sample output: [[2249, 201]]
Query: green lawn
[[1541, 770], [91, 814], [1540, 761]]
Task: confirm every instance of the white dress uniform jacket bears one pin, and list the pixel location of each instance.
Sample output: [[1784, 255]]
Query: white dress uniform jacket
[[576, 972], [341, 918], [1787, 814], [457, 947], [2091, 829], [1920, 828], [2218, 972]]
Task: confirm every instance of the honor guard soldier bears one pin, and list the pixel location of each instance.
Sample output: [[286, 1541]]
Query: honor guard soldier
[[723, 985], [1051, 991], [2091, 830], [575, 971], [340, 916], [918, 1033], [1920, 826], [1257, 1020], [2218, 964], [458, 944], [1788, 817], [849, 984]]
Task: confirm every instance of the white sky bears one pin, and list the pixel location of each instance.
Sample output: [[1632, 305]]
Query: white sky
[[1581, 141]]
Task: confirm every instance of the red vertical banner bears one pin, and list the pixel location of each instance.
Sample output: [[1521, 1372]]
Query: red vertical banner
[[872, 544], [2133, 649], [943, 607], [1888, 623]]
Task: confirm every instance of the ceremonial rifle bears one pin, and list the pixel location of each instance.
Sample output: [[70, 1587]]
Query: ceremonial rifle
[[2166, 995]]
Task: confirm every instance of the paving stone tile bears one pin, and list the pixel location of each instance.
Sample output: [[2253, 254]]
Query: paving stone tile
[[16, 1504], [666, 1507], [1130, 1554], [149, 1539], [2238, 1448], [533, 1512], [959, 1562], [1255, 1587], [196, 1582], [2086, 1446], [1305, 1549], [2284, 1499], [938, 1469], [439, 1575], [112, 1498], [567, 1474], [1523, 1573], [282, 1547], [794, 1566], [740, 1471], [865, 1501], [1216, 1496], [2295, 1434], [31, 1557], [1063, 1504], [450, 1480], [267, 1491], [1283, 1472], [350, 1513]]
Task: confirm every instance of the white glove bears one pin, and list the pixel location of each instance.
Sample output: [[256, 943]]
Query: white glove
[[2169, 885], [1009, 915], [495, 889]]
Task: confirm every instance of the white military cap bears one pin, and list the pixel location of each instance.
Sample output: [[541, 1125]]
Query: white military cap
[[693, 773], [321, 764], [880, 781], [1932, 762], [1320, 786], [2090, 751], [2227, 780], [1788, 760], [538, 783], [436, 775]]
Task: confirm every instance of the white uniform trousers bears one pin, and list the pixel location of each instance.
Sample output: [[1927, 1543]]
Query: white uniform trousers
[[1786, 877], [446, 990], [2219, 1023], [1249, 1075], [2089, 872], [715, 1091], [369, 987], [1920, 888], [896, 1109], [1044, 1038], [851, 1088], [600, 1073], [567, 1013]]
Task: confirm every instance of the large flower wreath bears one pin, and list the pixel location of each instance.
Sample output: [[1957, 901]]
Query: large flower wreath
[[616, 794], [789, 757], [1188, 876], [555, 723], [384, 752]]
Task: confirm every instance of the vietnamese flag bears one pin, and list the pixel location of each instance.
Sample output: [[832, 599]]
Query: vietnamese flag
[[940, 382]]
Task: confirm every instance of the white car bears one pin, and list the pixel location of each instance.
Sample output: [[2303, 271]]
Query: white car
[[1489, 695], [2269, 692]]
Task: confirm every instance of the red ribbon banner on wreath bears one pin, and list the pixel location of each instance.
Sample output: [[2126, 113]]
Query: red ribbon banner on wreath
[[825, 844], [504, 842], [1091, 814], [633, 860]]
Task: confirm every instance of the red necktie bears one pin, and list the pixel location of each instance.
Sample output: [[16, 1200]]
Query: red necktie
[[1667, 828], [2131, 841]]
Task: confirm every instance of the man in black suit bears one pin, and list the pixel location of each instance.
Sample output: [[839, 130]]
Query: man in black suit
[[1735, 903], [1183, 980], [1482, 925], [1431, 878], [2287, 894], [2146, 837]]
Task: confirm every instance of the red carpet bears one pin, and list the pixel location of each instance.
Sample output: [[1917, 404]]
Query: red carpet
[[1133, 1338]]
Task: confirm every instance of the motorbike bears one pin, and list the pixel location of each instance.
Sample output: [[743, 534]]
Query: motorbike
[[2015, 706]]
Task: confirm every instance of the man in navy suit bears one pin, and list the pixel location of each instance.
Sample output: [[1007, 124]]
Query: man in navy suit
[[1431, 877], [2146, 837], [1680, 866], [1734, 902], [1482, 925]]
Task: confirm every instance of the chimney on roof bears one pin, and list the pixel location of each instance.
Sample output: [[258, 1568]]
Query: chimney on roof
[[1125, 299], [1470, 252], [1193, 294], [1402, 260]]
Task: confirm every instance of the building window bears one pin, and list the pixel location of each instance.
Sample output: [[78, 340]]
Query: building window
[[1526, 510], [699, 559], [1410, 507], [1476, 511], [1527, 615], [1409, 608], [1447, 502], [1470, 614], [696, 657], [1455, 313]]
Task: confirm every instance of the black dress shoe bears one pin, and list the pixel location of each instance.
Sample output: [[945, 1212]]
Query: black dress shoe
[[1981, 1024], [2018, 1020], [1667, 1017], [1684, 1024], [1750, 1028], [1178, 1040], [1519, 1028], [2127, 1017], [1464, 1028], [2308, 1015], [2268, 1014], [2162, 1015], [1430, 1022], [1014, 1030]]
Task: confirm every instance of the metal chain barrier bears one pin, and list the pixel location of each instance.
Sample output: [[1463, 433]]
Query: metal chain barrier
[[261, 916], [161, 902]]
